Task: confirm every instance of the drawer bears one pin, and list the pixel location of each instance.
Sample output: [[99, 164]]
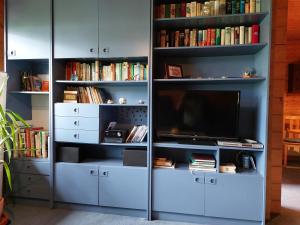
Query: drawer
[[83, 110], [76, 123], [30, 167], [77, 136], [31, 186]]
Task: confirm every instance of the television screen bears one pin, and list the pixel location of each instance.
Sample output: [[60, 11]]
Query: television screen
[[207, 114]]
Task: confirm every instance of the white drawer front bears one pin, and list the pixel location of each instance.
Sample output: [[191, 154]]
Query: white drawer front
[[76, 123], [83, 110], [77, 136]]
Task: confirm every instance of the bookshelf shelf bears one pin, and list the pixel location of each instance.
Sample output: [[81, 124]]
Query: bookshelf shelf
[[32, 159], [241, 149], [176, 145], [192, 81], [115, 83], [29, 92], [123, 105], [144, 144], [211, 21], [206, 51]]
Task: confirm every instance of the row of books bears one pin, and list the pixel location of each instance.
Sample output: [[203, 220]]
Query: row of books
[[203, 162], [161, 162], [34, 82], [197, 37], [124, 71], [32, 143], [208, 8], [77, 71], [137, 134], [83, 71], [90, 95]]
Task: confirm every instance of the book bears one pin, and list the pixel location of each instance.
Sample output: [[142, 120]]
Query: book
[[237, 35], [193, 9], [239, 144], [258, 6], [233, 6], [227, 168], [247, 6], [167, 10], [222, 36], [228, 7], [255, 34], [188, 9], [252, 6], [218, 36], [242, 6], [232, 36], [183, 8], [162, 10], [213, 37], [177, 10], [172, 10], [249, 35], [242, 35]]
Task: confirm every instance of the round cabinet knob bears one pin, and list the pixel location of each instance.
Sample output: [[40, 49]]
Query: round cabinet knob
[[75, 109], [75, 135], [105, 50], [75, 123], [92, 172], [91, 50]]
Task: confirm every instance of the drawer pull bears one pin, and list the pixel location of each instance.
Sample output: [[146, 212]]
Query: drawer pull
[[76, 110], [76, 123], [76, 136]]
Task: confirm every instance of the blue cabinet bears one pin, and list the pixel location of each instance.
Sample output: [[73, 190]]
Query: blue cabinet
[[75, 28], [178, 191], [82, 110], [123, 187], [124, 28], [76, 183], [31, 186], [28, 29], [30, 167], [234, 196]]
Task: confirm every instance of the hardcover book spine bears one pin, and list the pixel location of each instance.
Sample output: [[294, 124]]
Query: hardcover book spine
[[255, 34], [223, 37], [204, 39], [177, 34], [228, 7], [186, 37], [183, 8], [181, 38], [227, 35], [242, 35], [200, 38], [246, 35], [191, 38], [242, 6], [218, 36], [213, 36], [232, 36], [162, 10], [193, 8], [247, 6], [257, 6], [217, 7], [163, 34], [222, 9], [167, 10], [173, 11], [237, 35], [233, 6], [177, 10], [249, 35], [237, 6], [188, 9], [208, 40], [198, 13], [252, 6]]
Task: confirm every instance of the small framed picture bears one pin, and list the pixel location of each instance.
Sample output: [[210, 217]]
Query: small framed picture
[[173, 71]]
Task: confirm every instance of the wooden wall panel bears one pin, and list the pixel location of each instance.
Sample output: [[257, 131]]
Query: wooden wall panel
[[293, 20]]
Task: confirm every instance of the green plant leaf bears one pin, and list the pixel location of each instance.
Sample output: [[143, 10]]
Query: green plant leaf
[[8, 174], [19, 118]]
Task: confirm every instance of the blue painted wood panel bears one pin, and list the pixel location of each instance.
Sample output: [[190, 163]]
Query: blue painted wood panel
[[31, 186], [76, 123], [123, 187], [30, 167], [77, 136], [178, 191], [234, 196], [76, 183], [83, 110]]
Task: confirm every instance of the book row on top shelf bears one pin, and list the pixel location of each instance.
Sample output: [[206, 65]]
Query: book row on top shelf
[[98, 71], [190, 8]]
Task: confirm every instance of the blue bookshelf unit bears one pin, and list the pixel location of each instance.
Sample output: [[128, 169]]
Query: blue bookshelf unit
[[100, 181]]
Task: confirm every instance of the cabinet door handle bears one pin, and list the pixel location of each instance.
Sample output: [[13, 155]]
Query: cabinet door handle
[[211, 180], [76, 110], [76, 136], [91, 50], [106, 50], [76, 122], [13, 52], [104, 174]]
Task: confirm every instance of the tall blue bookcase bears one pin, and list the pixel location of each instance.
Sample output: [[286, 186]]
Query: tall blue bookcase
[[118, 31]]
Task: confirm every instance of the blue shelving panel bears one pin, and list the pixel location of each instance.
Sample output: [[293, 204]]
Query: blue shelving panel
[[193, 81], [94, 83], [211, 21], [208, 51]]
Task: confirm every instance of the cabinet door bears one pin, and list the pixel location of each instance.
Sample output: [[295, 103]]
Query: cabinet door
[[178, 191], [123, 187], [28, 29], [234, 196], [124, 28], [75, 28], [76, 183]]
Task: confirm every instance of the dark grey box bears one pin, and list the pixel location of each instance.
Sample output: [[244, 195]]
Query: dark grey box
[[69, 154], [135, 157]]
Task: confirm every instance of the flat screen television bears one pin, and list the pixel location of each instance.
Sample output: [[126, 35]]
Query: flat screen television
[[197, 114]]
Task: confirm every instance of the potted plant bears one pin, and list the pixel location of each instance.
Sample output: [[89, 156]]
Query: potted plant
[[10, 125]]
